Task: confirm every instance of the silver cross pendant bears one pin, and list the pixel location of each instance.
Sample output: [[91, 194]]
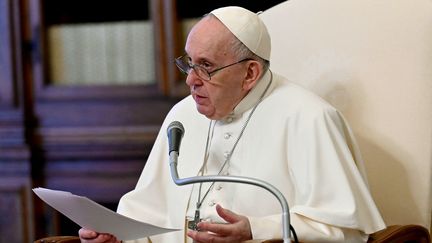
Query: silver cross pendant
[[193, 225]]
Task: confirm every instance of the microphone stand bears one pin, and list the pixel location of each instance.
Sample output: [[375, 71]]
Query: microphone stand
[[173, 156]]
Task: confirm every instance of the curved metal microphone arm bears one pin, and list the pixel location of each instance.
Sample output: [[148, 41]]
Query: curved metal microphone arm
[[236, 179]]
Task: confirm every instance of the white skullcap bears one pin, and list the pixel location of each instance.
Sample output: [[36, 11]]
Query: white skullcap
[[247, 27]]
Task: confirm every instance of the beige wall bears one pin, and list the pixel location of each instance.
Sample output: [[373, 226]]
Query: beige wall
[[372, 60]]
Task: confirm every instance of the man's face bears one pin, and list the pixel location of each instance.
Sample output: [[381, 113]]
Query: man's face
[[208, 45]]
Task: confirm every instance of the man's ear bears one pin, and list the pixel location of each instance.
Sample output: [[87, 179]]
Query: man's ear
[[253, 73]]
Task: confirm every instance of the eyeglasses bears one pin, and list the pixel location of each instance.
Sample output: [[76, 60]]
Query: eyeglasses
[[185, 66]]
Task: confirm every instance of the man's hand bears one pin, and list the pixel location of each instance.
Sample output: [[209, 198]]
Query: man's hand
[[89, 236], [237, 230]]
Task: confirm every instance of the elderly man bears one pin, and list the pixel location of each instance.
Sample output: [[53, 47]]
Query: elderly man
[[250, 122]]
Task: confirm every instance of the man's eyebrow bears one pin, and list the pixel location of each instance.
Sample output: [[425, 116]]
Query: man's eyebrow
[[202, 60]]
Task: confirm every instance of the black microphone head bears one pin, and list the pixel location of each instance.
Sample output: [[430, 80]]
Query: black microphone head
[[174, 125], [175, 133]]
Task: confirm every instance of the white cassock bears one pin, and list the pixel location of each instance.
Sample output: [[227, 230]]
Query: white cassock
[[294, 141]]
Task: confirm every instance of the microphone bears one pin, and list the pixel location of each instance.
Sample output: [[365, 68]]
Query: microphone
[[175, 133]]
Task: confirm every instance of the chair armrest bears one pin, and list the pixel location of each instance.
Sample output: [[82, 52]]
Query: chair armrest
[[59, 239], [401, 234]]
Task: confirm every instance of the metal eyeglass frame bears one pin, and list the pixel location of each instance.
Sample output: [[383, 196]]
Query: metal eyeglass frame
[[186, 67]]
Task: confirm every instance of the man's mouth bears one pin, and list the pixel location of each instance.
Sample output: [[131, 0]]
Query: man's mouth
[[198, 98]]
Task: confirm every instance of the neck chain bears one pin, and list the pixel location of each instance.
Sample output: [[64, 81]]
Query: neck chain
[[197, 219]]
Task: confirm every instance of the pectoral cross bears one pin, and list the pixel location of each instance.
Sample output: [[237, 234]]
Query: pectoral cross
[[193, 225]]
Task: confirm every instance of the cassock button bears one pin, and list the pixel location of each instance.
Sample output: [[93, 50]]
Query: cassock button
[[218, 188], [212, 203], [226, 154], [227, 135]]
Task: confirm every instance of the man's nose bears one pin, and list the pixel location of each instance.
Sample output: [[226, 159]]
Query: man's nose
[[192, 79]]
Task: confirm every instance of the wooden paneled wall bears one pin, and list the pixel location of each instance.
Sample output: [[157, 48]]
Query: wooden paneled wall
[[16, 224]]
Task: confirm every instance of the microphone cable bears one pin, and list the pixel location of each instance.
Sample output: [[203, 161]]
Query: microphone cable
[[294, 234]]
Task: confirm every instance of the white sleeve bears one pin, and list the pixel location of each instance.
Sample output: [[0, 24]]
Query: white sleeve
[[307, 230]]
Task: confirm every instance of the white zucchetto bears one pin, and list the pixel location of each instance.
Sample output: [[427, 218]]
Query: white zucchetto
[[247, 27]]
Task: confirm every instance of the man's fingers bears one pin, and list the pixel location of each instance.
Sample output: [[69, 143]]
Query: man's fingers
[[227, 215], [220, 229], [198, 236], [87, 234], [236, 230]]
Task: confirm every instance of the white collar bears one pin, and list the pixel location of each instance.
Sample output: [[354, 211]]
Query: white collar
[[251, 98]]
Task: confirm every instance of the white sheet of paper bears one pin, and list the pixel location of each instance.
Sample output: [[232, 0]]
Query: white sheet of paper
[[88, 214]]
